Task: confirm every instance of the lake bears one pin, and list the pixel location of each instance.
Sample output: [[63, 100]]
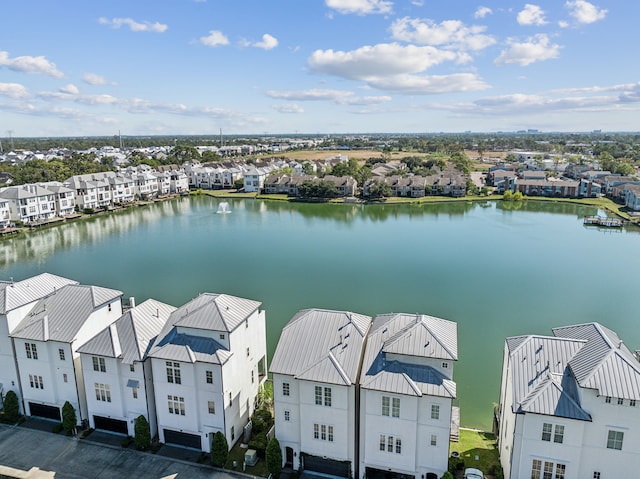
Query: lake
[[497, 269]]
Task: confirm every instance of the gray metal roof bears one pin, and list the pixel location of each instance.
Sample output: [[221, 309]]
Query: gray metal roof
[[134, 332], [537, 362], [60, 315], [322, 346], [188, 348], [13, 295], [413, 336], [605, 363]]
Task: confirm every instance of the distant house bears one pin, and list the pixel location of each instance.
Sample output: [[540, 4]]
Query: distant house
[[254, 179], [548, 188], [632, 197], [569, 405]]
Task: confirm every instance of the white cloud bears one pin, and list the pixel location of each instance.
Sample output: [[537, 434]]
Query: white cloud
[[535, 49], [94, 79], [531, 15], [449, 33], [360, 7], [69, 89], [482, 12], [133, 25], [417, 3], [214, 39], [408, 84], [13, 90], [288, 108], [585, 12], [341, 97], [29, 64], [563, 24], [268, 42]]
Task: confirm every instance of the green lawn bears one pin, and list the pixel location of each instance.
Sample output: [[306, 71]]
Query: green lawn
[[237, 454], [477, 443]]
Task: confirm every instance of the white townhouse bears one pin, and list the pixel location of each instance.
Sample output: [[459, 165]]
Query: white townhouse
[[16, 300], [208, 363], [178, 182], [406, 396], [64, 198], [46, 346], [117, 375], [86, 191], [5, 213], [122, 189], [164, 182], [315, 373], [29, 203], [204, 177], [146, 185], [569, 405], [254, 179]]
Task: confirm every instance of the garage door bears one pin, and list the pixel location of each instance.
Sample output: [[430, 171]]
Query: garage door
[[109, 424], [326, 466], [182, 439], [42, 410]]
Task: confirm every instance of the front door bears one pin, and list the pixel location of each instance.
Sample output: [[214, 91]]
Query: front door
[[289, 457]]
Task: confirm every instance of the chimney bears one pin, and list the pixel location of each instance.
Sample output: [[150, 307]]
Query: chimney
[[132, 302], [45, 326], [115, 340]]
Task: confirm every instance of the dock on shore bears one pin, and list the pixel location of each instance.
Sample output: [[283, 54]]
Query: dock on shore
[[600, 221]]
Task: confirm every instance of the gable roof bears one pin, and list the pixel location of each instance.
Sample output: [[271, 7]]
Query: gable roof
[[60, 315], [13, 295], [133, 333], [322, 346]]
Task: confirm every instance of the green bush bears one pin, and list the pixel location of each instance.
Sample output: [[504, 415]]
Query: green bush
[[142, 432], [448, 475], [497, 472], [274, 458], [219, 449], [455, 464], [11, 407], [69, 418], [259, 443]]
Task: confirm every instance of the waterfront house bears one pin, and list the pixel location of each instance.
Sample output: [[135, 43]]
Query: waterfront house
[[46, 346], [64, 198], [29, 203], [16, 300], [118, 381], [179, 182], [208, 363], [85, 190], [5, 213], [315, 376], [609, 182], [406, 396], [254, 179], [569, 405], [146, 185], [122, 189], [632, 197]]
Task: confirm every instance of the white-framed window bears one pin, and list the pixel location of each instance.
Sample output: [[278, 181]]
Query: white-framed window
[[390, 406], [398, 446], [435, 411], [134, 392], [632, 402], [327, 397], [222, 336], [558, 434], [386, 400], [176, 405], [395, 407], [316, 431], [287, 415], [560, 471], [173, 372], [99, 364], [536, 469], [230, 399], [103, 392], [547, 472], [209, 377], [434, 440], [607, 399], [614, 440], [445, 365], [546, 431], [330, 433], [323, 432], [596, 475], [65, 378], [36, 381], [248, 353], [318, 395], [31, 350], [390, 444], [132, 368], [211, 406], [285, 389], [61, 354], [233, 432], [620, 401], [252, 376], [383, 442]]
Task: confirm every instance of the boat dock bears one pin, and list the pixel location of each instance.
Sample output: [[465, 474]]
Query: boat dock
[[600, 221]]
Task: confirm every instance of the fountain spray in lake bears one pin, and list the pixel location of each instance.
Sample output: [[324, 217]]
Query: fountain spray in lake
[[223, 208]]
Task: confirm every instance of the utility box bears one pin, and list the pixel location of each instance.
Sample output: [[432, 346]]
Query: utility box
[[250, 457]]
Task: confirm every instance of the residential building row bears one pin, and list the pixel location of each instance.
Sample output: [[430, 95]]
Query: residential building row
[[190, 371]]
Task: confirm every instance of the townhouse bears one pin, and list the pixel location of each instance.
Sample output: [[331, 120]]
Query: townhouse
[[208, 363], [569, 405], [46, 346], [118, 381], [29, 203], [315, 386], [406, 396]]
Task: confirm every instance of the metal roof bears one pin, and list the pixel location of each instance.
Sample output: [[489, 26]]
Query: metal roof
[[60, 315], [13, 295], [322, 346], [605, 363], [536, 363], [134, 332], [188, 348]]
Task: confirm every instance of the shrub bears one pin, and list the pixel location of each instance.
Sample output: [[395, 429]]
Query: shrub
[[259, 443], [142, 433], [455, 464], [11, 407], [448, 475], [274, 458], [69, 418], [219, 449]]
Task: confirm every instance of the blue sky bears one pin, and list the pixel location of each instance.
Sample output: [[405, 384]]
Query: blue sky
[[149, 67]]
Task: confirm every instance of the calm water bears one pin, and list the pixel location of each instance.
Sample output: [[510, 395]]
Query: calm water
[[496, 272]]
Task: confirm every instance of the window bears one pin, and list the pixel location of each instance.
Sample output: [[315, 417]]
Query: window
[[614, 441], [596, 475], [434, 440], [560, 470], [99, 364], [285, 389], [607, 399], [327, 397], [287, 416], [546, 431], [176, 405], [323, 432], [222, 336], [132, 368], [61, 354], [103, 393], [233, 432], [395, 407], [320, 431], [230, 399], [173, 372], [252, 376], [548, 470], [316, 431], [389, 443], [620, 401], [558, 434], [209, 376], [632, 402], [536, 469], [109, 306], [212, 407], [385, 405], [248, 353], [398, 446], [445, 365], [330, 433], [383, 441], [65, 378], [134, 391], [435, 411], [319, 395], [36, 381], [32, 351]]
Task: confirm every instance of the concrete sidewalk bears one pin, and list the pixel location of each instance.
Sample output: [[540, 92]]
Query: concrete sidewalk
[[69, 458]]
